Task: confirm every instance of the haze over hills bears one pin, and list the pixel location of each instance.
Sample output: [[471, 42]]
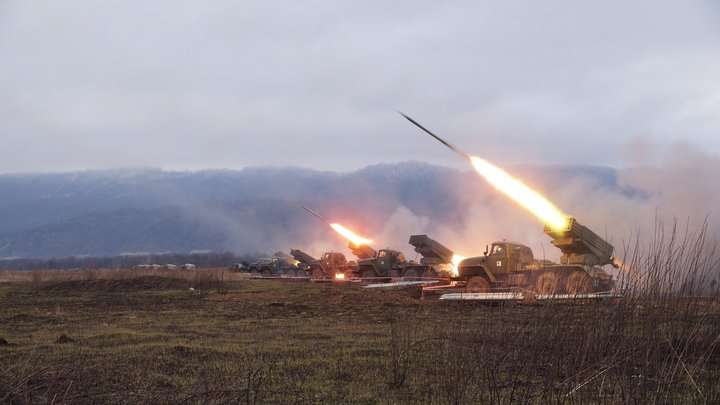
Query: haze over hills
[[258, 209]]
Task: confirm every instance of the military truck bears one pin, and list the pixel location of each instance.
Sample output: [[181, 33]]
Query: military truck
[[241, 267], [304, 260], [436, 261], [435, 256], [331, 265], [362, 251], [279, 264], [511, 264]]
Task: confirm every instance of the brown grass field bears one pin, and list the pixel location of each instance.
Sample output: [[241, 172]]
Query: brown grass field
[[144, 337]]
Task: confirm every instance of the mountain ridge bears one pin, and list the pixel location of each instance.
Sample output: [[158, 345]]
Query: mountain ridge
[[149, 210]]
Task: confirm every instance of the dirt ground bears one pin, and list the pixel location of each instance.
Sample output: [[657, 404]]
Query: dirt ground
[[151, 338]]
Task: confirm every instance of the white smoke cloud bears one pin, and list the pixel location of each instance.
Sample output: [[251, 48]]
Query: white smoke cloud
[[399, 226], [681, 186]]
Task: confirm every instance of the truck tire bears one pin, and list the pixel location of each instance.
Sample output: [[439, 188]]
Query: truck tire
[[318, 274], [477, 284], [411, 274], [266, 272], [547, 283], [368, 273], [578, 282]]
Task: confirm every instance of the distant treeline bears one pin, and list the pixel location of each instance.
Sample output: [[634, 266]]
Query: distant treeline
[[125, 261]]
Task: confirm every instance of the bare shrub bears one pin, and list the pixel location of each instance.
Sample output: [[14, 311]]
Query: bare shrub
[[401, 350], [657, 344]]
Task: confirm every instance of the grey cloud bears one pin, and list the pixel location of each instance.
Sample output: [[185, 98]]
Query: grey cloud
[[233, 84]]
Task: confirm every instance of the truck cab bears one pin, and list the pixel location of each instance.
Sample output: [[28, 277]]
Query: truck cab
[[331, 261], [504, 257], [387, 260], [384, 262], [503, 263]]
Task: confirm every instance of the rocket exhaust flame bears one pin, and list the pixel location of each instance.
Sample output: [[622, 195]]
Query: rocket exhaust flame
[[350, 235], [455, 262], [513, 188], [520, 193]]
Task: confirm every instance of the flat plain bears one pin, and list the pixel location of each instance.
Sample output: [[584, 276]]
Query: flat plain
[[129, 337]]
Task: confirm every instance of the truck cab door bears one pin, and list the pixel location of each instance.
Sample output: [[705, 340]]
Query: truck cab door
[[383, 262], [326, 262], [499, 258]]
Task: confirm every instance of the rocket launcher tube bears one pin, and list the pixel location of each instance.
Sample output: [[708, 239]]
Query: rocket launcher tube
[[433, 252], [580, 245], [362, 251], [302, 257]]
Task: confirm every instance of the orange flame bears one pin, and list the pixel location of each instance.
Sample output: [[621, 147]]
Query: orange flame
[[455, 262], [350, 235], [520, 193], [622, 265]]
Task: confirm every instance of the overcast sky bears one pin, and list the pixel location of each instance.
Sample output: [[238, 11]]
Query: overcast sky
[[230, 84]]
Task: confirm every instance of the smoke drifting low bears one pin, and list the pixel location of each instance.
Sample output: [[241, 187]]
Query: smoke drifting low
[[257, 211], [616, 204]]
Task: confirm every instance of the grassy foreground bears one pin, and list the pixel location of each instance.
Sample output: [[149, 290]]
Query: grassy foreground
[[147, 338]]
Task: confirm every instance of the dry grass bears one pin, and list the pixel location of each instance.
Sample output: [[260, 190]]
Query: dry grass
[[42, 278], [144, 337]]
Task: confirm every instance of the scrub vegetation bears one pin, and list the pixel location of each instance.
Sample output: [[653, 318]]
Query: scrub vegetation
[[133, 336]]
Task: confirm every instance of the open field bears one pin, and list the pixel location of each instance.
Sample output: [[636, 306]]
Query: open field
[[145, 337]]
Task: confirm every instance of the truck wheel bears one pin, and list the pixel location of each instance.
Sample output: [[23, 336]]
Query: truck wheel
[[369, 273], [478, 284], [266, 272], [290, 273], [318, 274], [578, 282], [547, 283]]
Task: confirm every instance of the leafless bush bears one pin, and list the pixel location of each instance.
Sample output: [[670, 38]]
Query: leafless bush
[[401, 350], [657, 344]]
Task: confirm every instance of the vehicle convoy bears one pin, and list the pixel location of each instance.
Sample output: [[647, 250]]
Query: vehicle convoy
[[509, 264], [331, 265], [436, 261]]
